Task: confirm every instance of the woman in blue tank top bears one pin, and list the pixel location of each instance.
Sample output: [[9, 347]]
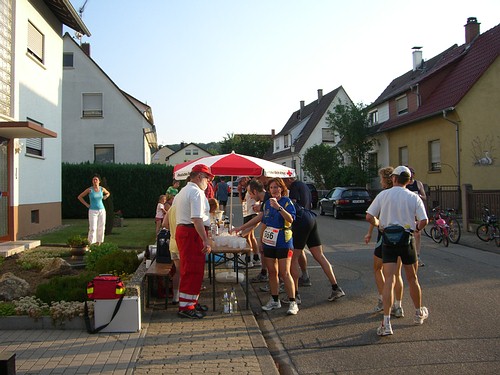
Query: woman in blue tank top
[[97, 214]]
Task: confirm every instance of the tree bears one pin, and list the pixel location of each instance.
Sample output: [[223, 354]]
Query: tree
[[246, 144], [323, 163], [350, 124]]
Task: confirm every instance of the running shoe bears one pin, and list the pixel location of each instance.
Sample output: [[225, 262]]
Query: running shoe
[[260, 278], [305, 281], [421, 315], [336, 294], [420, 263], [398, 312], [190, 314], [384, 330], [379, 307], [293, 309], [286, 301], [271, 305]]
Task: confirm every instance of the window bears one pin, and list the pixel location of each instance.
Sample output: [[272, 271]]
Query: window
[[403, 155], [187, 151], [276, 144], [373, 164], [68, 59], [35, 42], [35, 217], [402, 105], [435, 155], [195, 151], [92, 105], [104, 154], [327, 135], [373, 118], [34, 146]]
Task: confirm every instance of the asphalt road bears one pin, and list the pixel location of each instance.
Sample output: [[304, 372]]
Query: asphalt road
[[460, 287]]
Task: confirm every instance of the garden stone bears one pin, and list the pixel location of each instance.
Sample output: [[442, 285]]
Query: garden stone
[[56, 267], [13, 287]]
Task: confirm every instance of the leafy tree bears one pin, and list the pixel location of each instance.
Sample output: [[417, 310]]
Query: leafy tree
[[323, 163], [350, 124], [246, 144]]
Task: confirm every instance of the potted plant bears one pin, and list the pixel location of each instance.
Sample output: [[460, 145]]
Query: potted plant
[[78, 244]]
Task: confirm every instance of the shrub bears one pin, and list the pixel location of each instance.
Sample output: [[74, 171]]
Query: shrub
[[117, 263], [7, 309], [77, 241], [37, 259], [65, 288], [98, 251]]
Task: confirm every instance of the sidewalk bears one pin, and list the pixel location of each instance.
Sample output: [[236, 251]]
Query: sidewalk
[[218, 344]]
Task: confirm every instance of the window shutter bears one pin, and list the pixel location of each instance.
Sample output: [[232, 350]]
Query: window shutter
[[35, 42]]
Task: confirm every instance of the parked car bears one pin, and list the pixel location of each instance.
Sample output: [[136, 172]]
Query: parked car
[[314, 193], [345, 200]]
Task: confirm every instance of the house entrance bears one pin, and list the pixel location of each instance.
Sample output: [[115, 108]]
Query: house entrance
[[4, 189]]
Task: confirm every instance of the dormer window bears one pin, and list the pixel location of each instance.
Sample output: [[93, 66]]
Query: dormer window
[[373, 118], [402, 105]]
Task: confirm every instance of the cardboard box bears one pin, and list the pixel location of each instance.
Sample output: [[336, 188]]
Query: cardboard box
[[128, 318]]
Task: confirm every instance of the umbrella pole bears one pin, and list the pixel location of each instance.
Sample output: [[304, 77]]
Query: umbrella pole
[[231, 206]]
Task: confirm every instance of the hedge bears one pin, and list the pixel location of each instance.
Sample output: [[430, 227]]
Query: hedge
[[135, 188]]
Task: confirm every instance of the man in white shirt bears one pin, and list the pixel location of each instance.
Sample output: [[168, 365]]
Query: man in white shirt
[[397, 208], [193, 221]]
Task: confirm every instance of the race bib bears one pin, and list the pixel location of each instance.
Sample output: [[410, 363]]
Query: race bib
[[270, 236]]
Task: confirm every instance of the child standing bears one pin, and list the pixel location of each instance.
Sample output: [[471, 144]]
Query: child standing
[[160, 211]]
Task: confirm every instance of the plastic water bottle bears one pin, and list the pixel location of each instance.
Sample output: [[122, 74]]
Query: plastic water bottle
[[233, 301], [226, 308]]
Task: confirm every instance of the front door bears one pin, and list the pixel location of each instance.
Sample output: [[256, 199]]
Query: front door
[[4, 190]]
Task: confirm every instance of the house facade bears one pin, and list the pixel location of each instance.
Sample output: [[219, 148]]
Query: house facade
[[30, 113], [100, 122], [161, 156], [442, 117], [306, 128], [187, 152]]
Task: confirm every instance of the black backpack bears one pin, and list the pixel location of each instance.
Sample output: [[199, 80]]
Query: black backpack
[[163, 246]]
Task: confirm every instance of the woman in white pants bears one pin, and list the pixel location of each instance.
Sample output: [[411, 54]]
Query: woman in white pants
[[97, 214]]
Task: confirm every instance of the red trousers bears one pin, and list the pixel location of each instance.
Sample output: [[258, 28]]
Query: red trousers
[[192, 269]]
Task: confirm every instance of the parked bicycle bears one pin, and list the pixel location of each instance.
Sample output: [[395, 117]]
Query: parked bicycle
[[489, 230], [453, 226]]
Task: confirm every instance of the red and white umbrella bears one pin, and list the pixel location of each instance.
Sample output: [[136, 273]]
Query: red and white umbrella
[[235, 165]]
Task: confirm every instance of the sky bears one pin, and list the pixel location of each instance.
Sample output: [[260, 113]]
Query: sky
[[211, 68]]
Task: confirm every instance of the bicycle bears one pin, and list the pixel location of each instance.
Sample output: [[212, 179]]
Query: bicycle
[[440, 231], [448, 215], [489, 230]]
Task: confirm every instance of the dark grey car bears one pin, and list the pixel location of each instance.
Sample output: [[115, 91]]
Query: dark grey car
[[345, 200]]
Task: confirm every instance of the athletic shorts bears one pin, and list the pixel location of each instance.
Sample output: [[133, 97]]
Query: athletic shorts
[[277, 253], [407, 253], [305, 231], [246, 219]]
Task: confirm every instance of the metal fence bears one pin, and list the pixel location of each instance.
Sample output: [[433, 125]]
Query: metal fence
[[477, 199], [444, 196]]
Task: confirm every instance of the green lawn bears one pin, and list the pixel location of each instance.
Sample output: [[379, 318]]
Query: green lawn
[[135, 234]]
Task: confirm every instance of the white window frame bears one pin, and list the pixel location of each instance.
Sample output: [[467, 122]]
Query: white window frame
[[92, 105], [34, 146], [35, 44], [327, 135], [104, 147], [373, 118], [435, 155], [187, 151], [403, 155]]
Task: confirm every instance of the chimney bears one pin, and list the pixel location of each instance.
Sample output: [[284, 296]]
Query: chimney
[[320, 94], [471, 29], [302, 103], [273, 133], [86, 48], [417, 57]]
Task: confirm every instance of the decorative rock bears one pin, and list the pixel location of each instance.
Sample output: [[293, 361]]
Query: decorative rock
[[13, 287], [56, 267]]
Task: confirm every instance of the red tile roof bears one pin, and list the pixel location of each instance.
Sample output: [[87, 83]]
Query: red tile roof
[[463, 66]]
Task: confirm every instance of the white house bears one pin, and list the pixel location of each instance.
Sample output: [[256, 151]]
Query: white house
[[161, 156], [187, 152], [30, 113], [306, 127], [101, 123]]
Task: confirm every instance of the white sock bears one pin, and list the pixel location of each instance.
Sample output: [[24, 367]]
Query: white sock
[[387, 320]]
